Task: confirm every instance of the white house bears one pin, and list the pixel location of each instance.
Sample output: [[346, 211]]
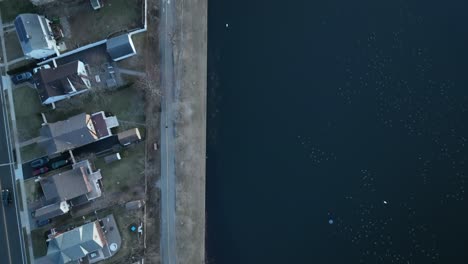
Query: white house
[[35, 35], [62, 82]]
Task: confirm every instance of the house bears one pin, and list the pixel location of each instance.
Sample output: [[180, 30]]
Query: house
[[129, 136], [35, 36], [76, 131], [120, 47], [51, 211], [62, 82], [70, 188], [75, 245], [76, 186]]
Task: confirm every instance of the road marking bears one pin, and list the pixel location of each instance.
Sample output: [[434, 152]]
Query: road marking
[[6, 164]]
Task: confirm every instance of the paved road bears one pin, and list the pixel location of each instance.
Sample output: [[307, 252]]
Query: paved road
[[11, 247], [168, 236]]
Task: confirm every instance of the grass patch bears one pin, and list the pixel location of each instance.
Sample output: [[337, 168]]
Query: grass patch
[[122, 175], [31, 152], [13, 47], [11, 8], [87, 25], [26, 244], [126, 103], [39, 242], [28, 110], [19, 194], [33, 190]]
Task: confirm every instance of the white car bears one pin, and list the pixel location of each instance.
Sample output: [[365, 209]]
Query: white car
[[45, 66]]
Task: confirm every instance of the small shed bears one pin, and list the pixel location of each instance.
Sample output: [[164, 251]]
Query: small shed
[[133, 205], [120, 47], [129, 136], [96, 4]]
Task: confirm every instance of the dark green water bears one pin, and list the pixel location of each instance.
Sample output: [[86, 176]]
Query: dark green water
[[351, 111]]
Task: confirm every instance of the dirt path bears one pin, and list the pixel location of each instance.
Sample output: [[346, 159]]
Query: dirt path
[[152, 105]]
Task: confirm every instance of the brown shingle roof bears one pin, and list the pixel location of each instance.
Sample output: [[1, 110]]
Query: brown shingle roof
[[57, 81]]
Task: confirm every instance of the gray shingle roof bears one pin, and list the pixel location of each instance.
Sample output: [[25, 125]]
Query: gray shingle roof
[[120, 47], [48, 211], [67, 185], [31, 34], [68, 134], [77, 243]]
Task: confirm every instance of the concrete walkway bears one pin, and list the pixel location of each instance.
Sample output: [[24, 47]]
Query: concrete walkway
[[30, 142], [131, 72]]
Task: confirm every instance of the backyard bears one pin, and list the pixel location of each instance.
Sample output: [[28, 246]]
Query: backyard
[[28, 110], [82, 25], [126, 103], [11, 8], [132, 244], [125, 176]]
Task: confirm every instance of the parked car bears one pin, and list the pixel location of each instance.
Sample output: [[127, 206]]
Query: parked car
[[39, 162], [58, 164], [6, 197], [42, 222], [40, 171], [21, 77]]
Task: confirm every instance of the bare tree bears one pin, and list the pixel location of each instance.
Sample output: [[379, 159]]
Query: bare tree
[[150, 84]]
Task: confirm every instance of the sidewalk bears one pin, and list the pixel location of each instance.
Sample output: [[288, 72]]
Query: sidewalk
[[7, 86]]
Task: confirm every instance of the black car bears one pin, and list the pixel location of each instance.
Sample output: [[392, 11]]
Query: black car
[[6, 197], [21, 77]]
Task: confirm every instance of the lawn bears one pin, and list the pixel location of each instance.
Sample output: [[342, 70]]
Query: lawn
[[33, 190], [122, 175], [11, 8], [28, 110], [126, 103], [83, 25], [39, 242], [31, 152], [13, 47]]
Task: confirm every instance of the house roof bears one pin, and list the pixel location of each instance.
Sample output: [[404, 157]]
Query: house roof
[[100, 125], [68, 134], [66, 185], [32, 31], [77, 243], [129, 136], [59, 81], [120, 47], [51, 211]]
